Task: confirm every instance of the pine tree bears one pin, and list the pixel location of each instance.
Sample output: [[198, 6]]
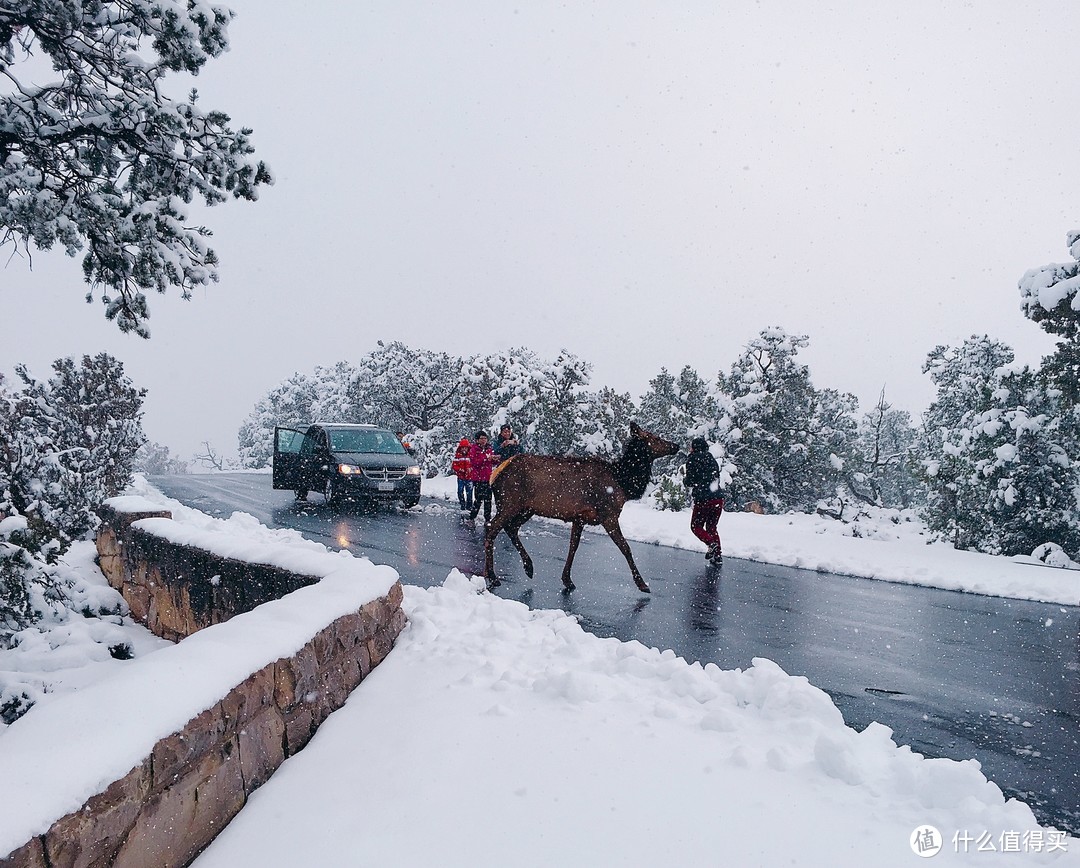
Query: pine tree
[[407, 389], [998, 453], [66, 444], [75, 438], [562, 405], [604, 423], [1049, 297], [101, 159], [881, 469], [787, 440], [965, 382]]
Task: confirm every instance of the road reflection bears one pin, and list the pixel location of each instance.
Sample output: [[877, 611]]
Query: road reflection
[[704, 608], [469, 547]]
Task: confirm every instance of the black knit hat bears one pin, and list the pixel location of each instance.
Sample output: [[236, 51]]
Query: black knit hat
[[699, 443]]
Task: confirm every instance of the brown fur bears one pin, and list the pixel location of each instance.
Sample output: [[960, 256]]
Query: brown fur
[[578, 490]]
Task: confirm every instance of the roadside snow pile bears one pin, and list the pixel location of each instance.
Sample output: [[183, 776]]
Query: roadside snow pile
[[1053, 555], [503, 735]]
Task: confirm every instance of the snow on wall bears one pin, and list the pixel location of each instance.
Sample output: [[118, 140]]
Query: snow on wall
[[61, 755]]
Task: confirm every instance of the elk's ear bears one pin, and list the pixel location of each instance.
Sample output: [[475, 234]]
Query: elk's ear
[[635, 429]]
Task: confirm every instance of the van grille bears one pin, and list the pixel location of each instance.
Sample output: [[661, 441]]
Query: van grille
[[384, 474]]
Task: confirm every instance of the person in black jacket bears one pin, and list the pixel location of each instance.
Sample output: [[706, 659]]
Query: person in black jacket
[[703, 479], [507, 445]]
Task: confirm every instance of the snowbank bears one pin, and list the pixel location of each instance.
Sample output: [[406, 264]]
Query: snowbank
[[509, 736]]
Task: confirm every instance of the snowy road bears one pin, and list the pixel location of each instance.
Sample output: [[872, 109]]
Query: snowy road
[[954, 675]]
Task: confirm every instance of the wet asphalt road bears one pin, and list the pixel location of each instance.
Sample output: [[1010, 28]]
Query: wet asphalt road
[[953, 675]]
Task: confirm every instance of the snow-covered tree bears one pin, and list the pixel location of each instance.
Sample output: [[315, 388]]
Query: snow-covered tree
[[543, 401], [659, 405], [407, 389], [332, 390], [679, 408], [605, 423], [501, 389], [73, 443], [880, 470], [563, 405], [996, 454], [154, 459], [100, 159], [66, 444], [964, 379], [787, 440], [418, 392], [322, 396], [675, 407], [1049, 296]]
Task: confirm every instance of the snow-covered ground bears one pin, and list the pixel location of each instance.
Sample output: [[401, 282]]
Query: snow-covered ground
[[497, 735]]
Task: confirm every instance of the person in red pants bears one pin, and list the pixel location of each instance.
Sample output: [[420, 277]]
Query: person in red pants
[[703, 479]]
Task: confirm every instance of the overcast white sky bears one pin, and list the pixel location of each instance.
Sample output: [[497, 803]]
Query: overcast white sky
[[644, 184]]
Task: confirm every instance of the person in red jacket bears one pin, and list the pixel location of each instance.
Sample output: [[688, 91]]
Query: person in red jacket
[[481, 462], [460, 465]]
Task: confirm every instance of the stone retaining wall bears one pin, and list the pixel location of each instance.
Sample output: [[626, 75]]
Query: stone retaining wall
[[170, 806], [175, 590]]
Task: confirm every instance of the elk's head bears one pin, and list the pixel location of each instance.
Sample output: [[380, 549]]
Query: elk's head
[[658, 446]]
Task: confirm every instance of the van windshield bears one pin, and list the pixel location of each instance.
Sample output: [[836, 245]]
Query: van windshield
[[364, 440]]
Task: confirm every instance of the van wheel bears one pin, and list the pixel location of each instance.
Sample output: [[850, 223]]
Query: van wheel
[[301, 494], [330, 492], [410, 502]]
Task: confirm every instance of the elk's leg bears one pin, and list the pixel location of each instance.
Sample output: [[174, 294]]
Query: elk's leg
[[512, 528], [615, 532], [575, 539]]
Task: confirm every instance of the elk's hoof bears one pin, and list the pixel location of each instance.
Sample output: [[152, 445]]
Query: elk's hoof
[[644, 588], [569, 585], [493, 581]]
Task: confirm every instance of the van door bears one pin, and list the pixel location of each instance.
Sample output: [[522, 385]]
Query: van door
[[288, 472]]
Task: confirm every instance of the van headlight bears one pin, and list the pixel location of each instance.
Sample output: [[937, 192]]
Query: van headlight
[[348, 469], [413, 470]]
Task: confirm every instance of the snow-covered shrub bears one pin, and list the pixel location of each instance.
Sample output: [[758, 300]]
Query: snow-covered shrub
[[66, 444], [1053, 555], [29, 586], [998, 454], [670, 493]]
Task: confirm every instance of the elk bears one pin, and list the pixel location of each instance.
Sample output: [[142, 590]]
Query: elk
[[578, 490]]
